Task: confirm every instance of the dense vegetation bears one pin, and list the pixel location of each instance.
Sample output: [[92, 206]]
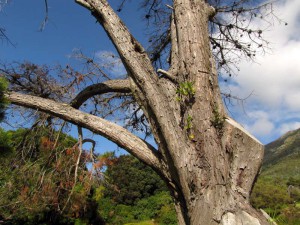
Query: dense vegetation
[[37, 179], [3, 87], [132, 192], [277, 190], [38, 188]]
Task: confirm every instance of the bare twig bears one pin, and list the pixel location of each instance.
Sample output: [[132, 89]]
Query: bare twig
[[43, 25]]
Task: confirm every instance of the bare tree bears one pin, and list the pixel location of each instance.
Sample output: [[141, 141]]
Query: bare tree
[[208, 161]]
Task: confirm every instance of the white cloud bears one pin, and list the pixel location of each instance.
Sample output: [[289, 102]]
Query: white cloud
[[274, 79], [111, 62], [288, 126], [262, 124]]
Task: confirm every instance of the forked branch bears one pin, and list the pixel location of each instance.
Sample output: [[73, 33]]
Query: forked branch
[[141, 71]]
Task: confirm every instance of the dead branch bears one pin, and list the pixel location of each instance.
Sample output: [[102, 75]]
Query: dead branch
[[120, 86]]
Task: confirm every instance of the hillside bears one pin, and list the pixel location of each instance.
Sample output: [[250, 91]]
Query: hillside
[[277, 189], [287, 146], [282, 157]]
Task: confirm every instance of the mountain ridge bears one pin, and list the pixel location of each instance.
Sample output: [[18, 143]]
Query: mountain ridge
[[286, 146]]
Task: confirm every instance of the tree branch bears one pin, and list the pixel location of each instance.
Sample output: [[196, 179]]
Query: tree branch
[[133, 55], [174, 44], [115, 133], [140, 69], [120, 86], [147, 90], [168, 75], [84, 4]]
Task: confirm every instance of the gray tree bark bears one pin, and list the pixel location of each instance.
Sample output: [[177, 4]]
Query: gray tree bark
[[208, 161]]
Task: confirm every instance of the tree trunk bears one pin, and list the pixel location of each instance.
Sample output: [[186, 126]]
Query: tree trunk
[[222, 160], [217, 169]]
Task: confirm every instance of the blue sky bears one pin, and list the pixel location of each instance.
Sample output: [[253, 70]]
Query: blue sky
[[70, 26], [274, 81]]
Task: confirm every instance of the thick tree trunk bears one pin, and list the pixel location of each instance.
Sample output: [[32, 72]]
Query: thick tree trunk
[[221, 194], [217, 169]]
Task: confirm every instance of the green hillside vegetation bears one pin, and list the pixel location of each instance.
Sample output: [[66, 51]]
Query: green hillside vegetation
[[286, 146], [35, 184], [133, 193], [142, 223], [277, 189]]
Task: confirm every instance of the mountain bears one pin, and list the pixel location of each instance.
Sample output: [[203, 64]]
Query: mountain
[[277, 190], [286, 147]]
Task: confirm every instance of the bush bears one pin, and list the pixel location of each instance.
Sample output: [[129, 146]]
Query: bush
[[158, 207], [167, 216], [268, 195], [289, 216]]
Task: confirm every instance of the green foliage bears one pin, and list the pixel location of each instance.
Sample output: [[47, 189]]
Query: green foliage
[[218, 120], [149, 222], [294, 181], [267, 194], [188, 126], [273, 196], [6, 143], [158, 208], [167, 215], [106, 208], [80, 222], [36, 187], [133, 193], [289, 216], [185, 91], [152, 206], [3, 101], [189, 123], [128, 180], [98, 193]]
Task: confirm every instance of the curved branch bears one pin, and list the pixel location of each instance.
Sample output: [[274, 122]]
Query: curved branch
[[115, 133], [86, 140], [121, 86]]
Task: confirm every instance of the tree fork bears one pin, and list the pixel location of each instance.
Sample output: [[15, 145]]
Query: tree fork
[[139, 67], [208, 160]]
